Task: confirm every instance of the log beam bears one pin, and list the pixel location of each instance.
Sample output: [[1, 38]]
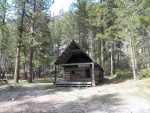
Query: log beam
[[93, 76], [55, 74]]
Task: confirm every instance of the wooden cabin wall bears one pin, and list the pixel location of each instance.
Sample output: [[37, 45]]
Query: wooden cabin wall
[[80, 73]]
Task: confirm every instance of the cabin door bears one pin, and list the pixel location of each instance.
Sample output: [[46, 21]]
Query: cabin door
[[72, 75]]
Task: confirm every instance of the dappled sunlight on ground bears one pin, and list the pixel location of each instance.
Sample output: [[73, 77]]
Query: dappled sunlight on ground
[[122, 97]]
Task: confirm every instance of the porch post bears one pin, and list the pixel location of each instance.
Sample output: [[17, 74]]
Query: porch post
[[93, 76], [55, 74]]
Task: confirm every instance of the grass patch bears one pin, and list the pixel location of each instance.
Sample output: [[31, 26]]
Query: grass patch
[[124, 74], [144, 82], [127, 74], [45, 83], [3, 86]]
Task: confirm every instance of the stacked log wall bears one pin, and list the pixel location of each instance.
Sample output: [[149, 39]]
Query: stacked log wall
[[80, 73]]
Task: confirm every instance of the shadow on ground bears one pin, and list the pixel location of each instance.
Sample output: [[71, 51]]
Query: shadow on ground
[[38, 88], [42, 87], [97, 103], [112, 80]]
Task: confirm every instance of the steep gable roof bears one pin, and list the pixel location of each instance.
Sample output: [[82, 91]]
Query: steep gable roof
[[71, 49]]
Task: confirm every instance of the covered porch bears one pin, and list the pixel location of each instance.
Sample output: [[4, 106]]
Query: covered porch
[[76, 74], [72, 84]]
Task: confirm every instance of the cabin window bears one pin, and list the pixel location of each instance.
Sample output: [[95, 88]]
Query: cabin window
[[87, 73]]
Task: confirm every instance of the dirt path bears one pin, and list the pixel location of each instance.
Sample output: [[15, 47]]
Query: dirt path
[[105, 98]]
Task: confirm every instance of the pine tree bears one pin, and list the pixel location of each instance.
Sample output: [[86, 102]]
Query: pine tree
[[19, 39]]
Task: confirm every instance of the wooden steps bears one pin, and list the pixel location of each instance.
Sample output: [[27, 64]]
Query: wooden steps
[[73, 84]]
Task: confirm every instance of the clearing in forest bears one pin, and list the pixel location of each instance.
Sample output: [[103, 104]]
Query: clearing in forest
[[108, 97]]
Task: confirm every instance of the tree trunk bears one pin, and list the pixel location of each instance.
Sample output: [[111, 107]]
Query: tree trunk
[[146, 47], [102, 52], [39, 72], [43, 69], [17, 66], [25, 60], [118, 60], [3, 74], [133, 60], [31, 43], [112, 59], [29, 77], [91, 51], [147, 53]]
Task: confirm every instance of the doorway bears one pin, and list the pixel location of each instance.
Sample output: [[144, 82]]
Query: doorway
[[72, 75]]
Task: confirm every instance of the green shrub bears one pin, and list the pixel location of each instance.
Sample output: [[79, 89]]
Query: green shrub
[[124, 74], [145, 73]]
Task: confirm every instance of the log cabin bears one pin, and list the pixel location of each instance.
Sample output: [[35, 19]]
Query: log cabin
[[79, 68]]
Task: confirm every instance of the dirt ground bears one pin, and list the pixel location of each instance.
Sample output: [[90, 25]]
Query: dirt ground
[[108, 97]]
